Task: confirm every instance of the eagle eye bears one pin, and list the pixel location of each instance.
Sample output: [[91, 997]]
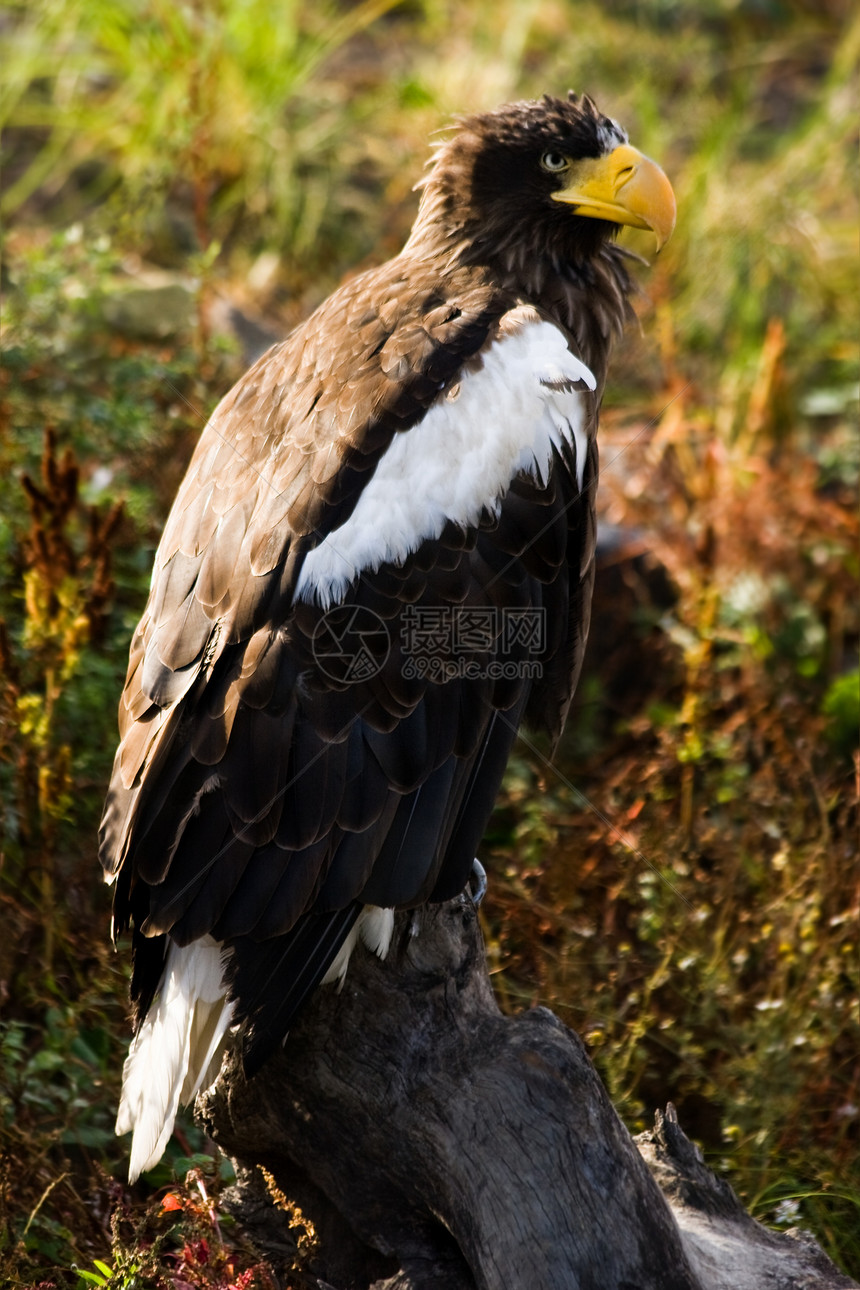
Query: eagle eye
[[554, 161]]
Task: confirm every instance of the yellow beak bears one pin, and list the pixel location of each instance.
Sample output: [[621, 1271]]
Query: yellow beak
[[625, 188]]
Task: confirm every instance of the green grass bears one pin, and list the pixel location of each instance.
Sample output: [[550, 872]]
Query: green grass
[[697, 922]]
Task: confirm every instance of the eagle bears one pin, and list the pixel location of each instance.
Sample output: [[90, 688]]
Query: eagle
[[378, 566]]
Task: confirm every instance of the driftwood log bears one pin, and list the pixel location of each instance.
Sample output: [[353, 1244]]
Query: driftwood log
[[433, 1142]]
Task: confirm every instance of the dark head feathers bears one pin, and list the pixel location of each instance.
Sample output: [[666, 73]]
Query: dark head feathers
[[488, 200], [574, 124]]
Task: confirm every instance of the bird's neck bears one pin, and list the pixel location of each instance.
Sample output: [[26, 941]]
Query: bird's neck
[[590, 301], [591, 305], [586, 291]]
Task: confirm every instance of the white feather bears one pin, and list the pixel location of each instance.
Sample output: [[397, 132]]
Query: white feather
[[375, 926], [504, 417], [177, 1050]]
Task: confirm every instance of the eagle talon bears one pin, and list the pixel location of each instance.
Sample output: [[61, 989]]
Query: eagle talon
[[477, 882]]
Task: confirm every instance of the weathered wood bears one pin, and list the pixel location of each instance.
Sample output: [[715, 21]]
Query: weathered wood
[[434, 1142], [728, 1249]]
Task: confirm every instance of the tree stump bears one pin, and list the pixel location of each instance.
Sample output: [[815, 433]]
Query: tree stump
[[433, 1142]]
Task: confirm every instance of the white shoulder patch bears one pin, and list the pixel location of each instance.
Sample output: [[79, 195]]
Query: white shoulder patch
[[528, 395]]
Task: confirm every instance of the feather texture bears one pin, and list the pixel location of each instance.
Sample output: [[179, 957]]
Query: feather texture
[[373, 927], [175, 1051]]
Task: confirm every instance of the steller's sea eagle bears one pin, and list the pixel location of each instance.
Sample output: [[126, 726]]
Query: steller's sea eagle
[[378, 565]]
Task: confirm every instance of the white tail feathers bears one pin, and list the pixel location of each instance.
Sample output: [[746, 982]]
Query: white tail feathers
[[177, 1050], [374, 925]]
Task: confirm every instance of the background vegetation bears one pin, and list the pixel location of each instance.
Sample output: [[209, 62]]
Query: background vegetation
[[679, 881]]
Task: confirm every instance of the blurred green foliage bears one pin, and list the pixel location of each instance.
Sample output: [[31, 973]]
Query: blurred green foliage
[[841, 705], [208, 102], [678, 880]]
